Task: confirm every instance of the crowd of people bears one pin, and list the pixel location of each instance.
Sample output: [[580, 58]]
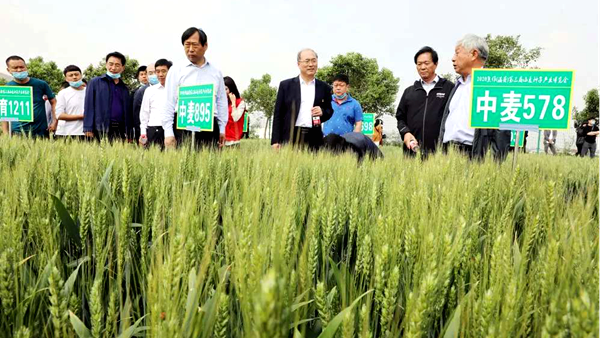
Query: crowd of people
[[433, 112]]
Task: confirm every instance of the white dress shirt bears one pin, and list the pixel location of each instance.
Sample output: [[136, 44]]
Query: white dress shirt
[[70, 101], [152, 105], [429, 86], [457, 123], [189, 74], [307, 101]]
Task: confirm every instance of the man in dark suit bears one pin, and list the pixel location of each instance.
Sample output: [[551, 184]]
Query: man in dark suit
[[303, 103]]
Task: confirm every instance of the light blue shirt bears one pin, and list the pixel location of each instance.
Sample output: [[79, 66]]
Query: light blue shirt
[[189, 74], [345, 115]]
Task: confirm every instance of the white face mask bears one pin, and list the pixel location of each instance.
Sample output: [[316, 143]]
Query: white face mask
[[593, 123]]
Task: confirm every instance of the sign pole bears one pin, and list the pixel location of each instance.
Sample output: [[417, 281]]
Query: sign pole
[[539, 139], [516, 150], [9, 129], [193, 140]]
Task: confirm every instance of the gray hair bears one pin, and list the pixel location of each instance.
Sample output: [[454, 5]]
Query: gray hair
[[473, 42], [304, 50]]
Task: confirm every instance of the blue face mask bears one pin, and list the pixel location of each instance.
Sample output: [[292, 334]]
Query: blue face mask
[[20, 75], [113, 76], [153, 79], [341, 97], [76, 84]]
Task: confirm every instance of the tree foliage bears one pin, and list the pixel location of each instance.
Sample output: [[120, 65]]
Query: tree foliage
[[375, 89], [46, 71], [507, 52], [591, 106], [128, 75], [260, 97]]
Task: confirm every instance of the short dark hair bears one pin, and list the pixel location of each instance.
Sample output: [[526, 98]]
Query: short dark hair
[[71, 68], [14, 58], [335, 143], [232, 86], [427, 49], [191, 31], [139, 70], [117, 55], [163, 62], [342, 78]]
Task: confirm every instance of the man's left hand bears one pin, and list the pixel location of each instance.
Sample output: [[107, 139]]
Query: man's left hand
[[53, 125], [316, 111], [221, 140]]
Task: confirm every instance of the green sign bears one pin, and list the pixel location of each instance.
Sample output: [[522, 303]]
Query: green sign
[[195, 108], [513, 137], [245, 130], [368, 124], [16, 103], [540, 98]]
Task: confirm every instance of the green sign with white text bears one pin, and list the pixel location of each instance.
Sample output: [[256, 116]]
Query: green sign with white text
[[16, 103], [540, 98], [195, 108], [245, 130], [513, 138], [368, 124]]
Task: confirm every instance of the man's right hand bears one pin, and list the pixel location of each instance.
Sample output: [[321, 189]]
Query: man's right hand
[[89, 134], [276, 146], [408, 138], [170, 142]]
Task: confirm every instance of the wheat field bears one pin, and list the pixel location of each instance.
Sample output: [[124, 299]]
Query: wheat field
[[112, 241]]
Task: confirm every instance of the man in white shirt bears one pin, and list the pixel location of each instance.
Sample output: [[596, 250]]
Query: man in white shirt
[[471, 52], [70, 104], [197, 71], [151, 130], [303, 104]]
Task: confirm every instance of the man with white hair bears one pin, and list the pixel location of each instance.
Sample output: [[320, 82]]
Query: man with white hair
[[471, 52], [302, 104]]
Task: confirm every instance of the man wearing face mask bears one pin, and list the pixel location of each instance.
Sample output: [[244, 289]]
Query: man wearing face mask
[[138, 96], [39, 127], [421, 107], [107, 112], [591, 133], [70, 103], [154, 101]]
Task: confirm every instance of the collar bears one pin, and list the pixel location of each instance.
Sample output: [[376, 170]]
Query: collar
[[302, 80], [190, 64], [462, 82], [435, 80], [348, 99]]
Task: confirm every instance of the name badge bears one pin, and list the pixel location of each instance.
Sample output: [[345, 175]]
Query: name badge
[[441, 95]]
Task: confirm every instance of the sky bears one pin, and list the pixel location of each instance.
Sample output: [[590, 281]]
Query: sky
[[250, 38]]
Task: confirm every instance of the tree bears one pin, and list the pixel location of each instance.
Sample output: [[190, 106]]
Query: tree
[[128, 74], [591, 106], [450, 76], [260, 96], [375, 89], [3, 82], [47, 71], [507, 52]]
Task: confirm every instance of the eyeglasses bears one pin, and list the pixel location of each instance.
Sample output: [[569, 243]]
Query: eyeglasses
[[309, 61]]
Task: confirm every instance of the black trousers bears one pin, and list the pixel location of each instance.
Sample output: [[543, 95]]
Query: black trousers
[[116, 132], [156, 136], [462, 148], [311, 138], [202, 139]]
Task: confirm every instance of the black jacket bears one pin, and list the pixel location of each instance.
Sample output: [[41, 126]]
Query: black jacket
[[421, 114], [498, 140], [288, 105], [137, 96]]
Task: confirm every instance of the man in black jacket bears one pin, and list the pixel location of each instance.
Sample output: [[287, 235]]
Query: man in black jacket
[[421, 107], [303, 103]]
